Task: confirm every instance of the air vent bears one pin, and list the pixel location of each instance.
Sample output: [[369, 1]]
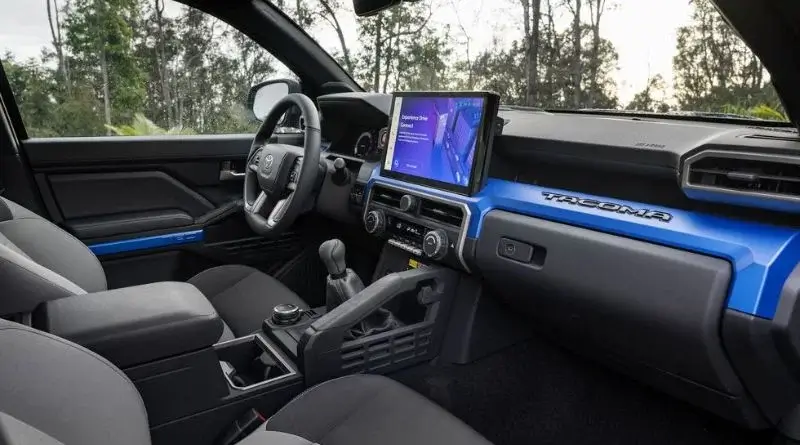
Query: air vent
[[386, 196], [762, 175], [789, 137], [444, 213], [786, 130]]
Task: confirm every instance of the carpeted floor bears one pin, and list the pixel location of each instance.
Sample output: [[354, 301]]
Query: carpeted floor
[[538, 394]]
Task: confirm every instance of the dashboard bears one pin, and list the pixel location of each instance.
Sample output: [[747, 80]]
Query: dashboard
[[366, 144], [668, 249]]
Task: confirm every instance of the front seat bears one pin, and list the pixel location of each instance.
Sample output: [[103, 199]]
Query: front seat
[[41, 262], [54, 392]]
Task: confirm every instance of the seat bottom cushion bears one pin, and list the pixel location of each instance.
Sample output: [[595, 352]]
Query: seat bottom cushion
[[370, 409], [243, 297]]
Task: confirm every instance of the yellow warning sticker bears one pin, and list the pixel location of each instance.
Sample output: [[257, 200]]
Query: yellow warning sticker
[[412, 263]]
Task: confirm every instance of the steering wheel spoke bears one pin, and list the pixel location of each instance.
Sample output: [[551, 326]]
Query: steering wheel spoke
[[279, 210], [258, 205]]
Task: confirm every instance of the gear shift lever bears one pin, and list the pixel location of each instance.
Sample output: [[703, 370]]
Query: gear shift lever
[[343, 284], [331, 253]]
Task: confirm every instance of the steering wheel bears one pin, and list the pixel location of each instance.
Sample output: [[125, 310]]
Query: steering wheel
[[279, 177]]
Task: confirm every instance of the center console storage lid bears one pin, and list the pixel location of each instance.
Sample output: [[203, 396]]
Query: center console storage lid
[[134, 325]]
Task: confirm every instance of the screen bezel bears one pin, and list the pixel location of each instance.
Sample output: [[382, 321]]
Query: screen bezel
[[483, 142]]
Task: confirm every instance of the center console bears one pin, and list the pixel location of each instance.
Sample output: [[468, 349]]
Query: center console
[[397, 321], [420, 224], [166, 338], [441, 141]]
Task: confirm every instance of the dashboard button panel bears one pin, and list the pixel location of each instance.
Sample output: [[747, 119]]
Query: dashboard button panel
[[438, 236]]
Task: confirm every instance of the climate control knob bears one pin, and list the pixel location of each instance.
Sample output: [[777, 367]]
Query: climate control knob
[[434, 244], [375, 222], [408, 203]]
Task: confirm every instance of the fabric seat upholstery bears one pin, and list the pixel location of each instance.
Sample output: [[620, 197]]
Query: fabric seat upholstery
[[41, 262], [54, 392], [370, 409], [243, 296]]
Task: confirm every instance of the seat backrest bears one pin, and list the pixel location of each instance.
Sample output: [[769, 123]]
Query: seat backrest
[[55, 392], [41, 262]]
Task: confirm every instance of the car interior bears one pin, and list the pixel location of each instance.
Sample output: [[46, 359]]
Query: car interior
[[540, 278]]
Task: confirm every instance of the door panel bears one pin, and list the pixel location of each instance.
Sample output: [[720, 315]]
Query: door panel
[[156, 208], [106, 194]]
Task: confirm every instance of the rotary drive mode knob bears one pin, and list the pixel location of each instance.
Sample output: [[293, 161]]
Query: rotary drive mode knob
[[408, 203], [434, 244], [286, 314], [375, 222]]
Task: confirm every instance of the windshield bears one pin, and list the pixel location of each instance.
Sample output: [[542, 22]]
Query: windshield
[[142, 67], [670, 56]]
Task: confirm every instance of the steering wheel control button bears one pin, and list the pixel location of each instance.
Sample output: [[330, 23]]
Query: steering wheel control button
[[286, 314], [515, 250], [434, 244], [375, 222], [408, 203]]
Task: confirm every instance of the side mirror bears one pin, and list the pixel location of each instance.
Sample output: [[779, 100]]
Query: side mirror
[[366, 8], [263, 97]]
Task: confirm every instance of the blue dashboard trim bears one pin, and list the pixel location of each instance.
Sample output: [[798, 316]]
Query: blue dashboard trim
[[762, 256], [147, 242]]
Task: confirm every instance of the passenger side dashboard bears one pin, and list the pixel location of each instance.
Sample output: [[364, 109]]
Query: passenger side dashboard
[[594, 227]]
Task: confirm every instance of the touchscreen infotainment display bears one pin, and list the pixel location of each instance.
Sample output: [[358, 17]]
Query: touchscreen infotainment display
[[440, 139]]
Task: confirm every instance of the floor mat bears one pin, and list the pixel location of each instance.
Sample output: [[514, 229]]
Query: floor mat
[[536, 393]]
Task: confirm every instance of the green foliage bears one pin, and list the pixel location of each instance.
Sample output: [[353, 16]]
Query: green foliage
[[128, 61], [652, 98], [716, 72], [764, 111], [502, 71], [99, 39], [142, 126], [401, 51], [165, 70], [761, 111]]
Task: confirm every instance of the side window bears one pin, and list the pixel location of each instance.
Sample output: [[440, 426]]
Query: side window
[[131, 67]]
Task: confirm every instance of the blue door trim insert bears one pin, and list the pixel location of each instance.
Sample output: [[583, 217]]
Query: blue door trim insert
[[762, 256], [147, 242]]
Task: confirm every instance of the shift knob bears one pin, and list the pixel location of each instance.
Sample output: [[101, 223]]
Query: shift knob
[[331, 253]]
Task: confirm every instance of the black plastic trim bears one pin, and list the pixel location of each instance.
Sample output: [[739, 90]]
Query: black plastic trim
[[135, 222], [749, 343], [105, 194], [74, 151], [652, 312], [766, 355]]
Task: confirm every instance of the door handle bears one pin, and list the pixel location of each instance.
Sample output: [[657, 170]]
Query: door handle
[[228, 172], [230, 175]]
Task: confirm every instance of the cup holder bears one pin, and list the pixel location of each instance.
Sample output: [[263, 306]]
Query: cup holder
[[249, 362]]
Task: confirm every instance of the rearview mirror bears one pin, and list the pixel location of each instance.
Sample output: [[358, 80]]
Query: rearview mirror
[[366, 8], [263, 97]]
